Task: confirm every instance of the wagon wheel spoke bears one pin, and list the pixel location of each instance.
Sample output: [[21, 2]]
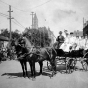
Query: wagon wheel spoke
[[49, 65], [84, 65]]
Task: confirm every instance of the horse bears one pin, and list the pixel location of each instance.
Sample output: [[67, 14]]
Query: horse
[[23, 56], [42, 54], [39, 55], [48, 54]]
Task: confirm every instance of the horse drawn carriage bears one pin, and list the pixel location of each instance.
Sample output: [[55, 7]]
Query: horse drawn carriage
[[70, 59], [52, 55]]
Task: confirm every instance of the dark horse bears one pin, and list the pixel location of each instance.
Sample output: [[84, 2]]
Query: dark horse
[[39, 55], [48, 54]]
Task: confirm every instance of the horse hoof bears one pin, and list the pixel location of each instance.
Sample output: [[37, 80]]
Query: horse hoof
[[40, 73], [33, 78], [51, 76], [23, 76], [28, 76]]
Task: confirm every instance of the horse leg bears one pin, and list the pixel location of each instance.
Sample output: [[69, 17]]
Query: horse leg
[[75, 62], [53, 68], [31, 66], [41, 65], [0, 59], [25, 64], [22, 65], [34, 72]]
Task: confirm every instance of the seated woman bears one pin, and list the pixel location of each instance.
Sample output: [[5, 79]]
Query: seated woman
[[69, 43], [65, 45], [77, 42]]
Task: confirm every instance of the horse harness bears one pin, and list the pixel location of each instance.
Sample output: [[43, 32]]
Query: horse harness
[[49, 52], [24, 53]]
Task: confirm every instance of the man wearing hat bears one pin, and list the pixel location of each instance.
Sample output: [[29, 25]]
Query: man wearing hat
[[60, 39]]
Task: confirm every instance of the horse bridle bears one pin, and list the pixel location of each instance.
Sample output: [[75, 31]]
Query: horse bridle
[[51, 52]]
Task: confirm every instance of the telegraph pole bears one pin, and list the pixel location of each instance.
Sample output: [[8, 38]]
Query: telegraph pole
[[10, 21], [32, 13], [83, 22], [44, 35], [10, 26]]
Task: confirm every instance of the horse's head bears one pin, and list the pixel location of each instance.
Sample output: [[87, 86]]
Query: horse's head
[[52, 53], [55, 45], [14, 42]]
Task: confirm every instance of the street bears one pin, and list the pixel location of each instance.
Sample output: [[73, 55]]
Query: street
[[11, 77]]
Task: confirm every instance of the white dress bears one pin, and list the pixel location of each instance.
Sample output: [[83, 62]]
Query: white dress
[[77, 41], [82, 43], [71, 42], [65, 46]]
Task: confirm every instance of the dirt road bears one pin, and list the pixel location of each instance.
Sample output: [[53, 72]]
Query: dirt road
[[11, 77]]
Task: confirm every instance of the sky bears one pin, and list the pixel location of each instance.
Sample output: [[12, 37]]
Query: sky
[[59, 15]]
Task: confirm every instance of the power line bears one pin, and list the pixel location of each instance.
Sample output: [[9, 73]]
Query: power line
[[19, 23], [27, 10], [41, 4], [12, 6], [3, 14], [4, 2]]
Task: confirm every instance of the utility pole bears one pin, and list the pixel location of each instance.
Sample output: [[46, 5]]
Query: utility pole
[[40, 38], [10, 21], [10, 26], [83, 22], [44, 35], [32, 13]]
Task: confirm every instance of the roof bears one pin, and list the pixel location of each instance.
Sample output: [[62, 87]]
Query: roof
[[3, 38]]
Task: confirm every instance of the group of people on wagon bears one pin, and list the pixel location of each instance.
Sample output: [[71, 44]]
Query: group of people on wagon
[[70, 42]]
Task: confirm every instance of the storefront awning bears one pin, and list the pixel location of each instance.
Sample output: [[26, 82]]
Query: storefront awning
[[3, 38]]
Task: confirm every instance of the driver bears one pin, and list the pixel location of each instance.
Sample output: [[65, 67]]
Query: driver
[[60, 39]]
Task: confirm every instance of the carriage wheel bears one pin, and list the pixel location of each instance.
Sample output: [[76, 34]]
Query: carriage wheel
[[49, 65], [74, 63], [84, 62], [71, 64], [84, 65]]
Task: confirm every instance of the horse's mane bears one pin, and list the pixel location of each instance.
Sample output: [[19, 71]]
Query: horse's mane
[[28, 43]]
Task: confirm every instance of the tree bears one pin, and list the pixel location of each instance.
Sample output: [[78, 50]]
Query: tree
[[15, 34], [38, 37], [6, 33]]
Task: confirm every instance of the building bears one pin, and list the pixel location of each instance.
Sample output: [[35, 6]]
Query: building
[[78, 33], [3, 41], [85, 28], [35, 22]]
